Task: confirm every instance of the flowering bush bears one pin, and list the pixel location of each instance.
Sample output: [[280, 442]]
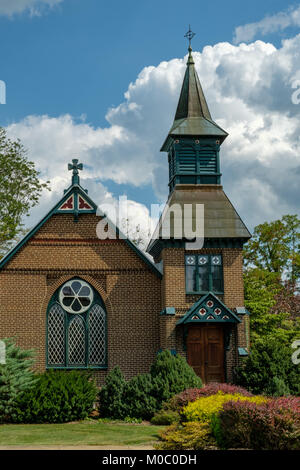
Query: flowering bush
[[205, 407], [180, 400], [193, 436], [271, 425]]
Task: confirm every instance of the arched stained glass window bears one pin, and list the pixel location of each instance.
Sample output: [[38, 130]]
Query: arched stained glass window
[[76, 327]]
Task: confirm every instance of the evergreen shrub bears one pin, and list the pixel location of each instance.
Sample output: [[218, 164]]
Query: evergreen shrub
[[16, 377], [269, 370], [57, 397], [143, 395]]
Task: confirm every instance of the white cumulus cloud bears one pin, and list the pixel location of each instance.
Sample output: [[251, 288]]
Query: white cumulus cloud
[[248, 89]]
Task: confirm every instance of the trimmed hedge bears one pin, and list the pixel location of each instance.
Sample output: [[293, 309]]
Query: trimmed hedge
[[57, 397]]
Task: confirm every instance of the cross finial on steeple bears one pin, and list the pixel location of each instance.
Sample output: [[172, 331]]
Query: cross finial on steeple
[[75, 166], [189, 35]]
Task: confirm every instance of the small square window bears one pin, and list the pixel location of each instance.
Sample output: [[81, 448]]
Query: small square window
[[204, 273]]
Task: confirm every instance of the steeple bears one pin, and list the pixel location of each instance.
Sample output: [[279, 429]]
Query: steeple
[[192, 115], [192, 102], [194, 139]]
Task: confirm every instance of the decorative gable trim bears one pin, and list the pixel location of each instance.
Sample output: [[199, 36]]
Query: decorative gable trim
[[209, 309], [67, 205], [78, 202]]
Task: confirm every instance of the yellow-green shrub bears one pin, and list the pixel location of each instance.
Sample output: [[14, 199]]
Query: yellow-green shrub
[[186, 436], [204, 408]]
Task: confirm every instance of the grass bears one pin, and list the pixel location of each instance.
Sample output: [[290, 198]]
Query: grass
[[82, 433]]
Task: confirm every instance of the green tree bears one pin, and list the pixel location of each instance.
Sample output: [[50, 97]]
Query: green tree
[[292, 224], [275, 247], [261, 288], [20, 189]]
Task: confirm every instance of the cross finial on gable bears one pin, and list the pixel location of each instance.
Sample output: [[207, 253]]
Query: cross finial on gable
[[75, 166]]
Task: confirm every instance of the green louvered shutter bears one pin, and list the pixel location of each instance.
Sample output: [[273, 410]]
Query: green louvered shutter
[[208, 160], [187, 159]]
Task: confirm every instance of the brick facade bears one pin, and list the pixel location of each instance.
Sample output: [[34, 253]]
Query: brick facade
[[133, 294], [62, 249]]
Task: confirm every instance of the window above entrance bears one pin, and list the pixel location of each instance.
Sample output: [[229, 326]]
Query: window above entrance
[[203, 273]]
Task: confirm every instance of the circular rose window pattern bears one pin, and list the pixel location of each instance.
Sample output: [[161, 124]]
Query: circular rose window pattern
[[76, 296]]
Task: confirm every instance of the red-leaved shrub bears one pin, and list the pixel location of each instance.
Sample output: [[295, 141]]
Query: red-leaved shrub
[[191, 394], [274, 425]]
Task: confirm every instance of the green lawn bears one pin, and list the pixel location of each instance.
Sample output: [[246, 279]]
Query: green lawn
[[81, 433]]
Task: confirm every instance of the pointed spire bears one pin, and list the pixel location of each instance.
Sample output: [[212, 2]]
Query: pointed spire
[[192, 102], [192, 115]]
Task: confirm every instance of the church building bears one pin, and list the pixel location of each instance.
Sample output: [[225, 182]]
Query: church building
[[84, 302]]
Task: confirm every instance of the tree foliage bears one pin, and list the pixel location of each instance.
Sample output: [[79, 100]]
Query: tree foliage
[[275, 247], [271, 281], [20, 188]]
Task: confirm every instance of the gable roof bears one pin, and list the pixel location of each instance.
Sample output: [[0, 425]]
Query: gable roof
[[209, 309], [76, 201]]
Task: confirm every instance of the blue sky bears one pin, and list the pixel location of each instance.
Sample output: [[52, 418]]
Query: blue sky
[[67, 63], [80, 57]]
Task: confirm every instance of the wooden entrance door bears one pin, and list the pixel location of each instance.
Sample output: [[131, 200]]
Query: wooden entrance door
[[205, 352]]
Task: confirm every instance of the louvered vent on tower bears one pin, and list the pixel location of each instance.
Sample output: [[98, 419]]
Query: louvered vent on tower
[[187, 159], [208, 160]]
